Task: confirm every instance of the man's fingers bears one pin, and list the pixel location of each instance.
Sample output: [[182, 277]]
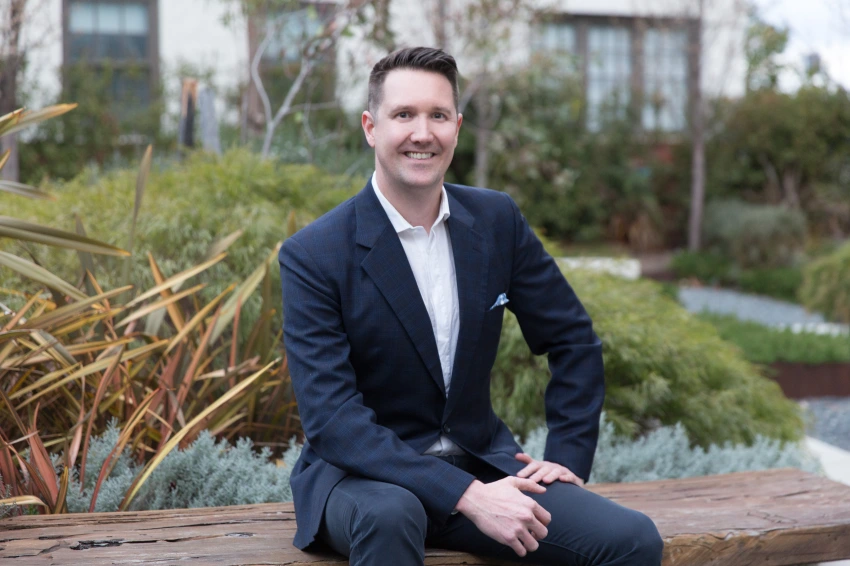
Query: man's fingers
[[553, 475], [528, 541], [572, 478], [528, 485], [516, 544], [528, 470], [542, 515], [524, 458]]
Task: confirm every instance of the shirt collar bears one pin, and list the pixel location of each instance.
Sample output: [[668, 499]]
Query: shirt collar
[[397, 220]]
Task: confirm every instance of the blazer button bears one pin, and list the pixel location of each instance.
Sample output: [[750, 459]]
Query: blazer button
[[447, 429]]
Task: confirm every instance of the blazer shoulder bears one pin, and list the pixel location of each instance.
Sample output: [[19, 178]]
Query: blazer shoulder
[[483, 203], [331, 229]]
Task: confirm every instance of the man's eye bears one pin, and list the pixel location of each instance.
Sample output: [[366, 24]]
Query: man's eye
[[439, 115], [403, 114]]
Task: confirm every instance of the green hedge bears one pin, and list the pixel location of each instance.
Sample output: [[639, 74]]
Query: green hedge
[[186, 207], [662, 366], [753, 235], [764, 345], [713, 268], [826, 285]]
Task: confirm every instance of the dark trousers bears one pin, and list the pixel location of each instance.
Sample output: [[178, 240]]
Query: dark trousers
[[376, 523]]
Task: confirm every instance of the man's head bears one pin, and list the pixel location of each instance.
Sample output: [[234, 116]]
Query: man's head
[[412, 121], [412, 58]]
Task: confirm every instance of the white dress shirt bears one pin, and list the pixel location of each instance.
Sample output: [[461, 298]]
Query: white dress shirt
[[433, 265]]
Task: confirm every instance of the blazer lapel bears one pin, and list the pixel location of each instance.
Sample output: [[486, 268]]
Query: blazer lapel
[[387, 265], [471, 266]]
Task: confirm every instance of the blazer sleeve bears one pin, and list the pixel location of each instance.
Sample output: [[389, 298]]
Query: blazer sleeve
[[553, 321], [339, 427]]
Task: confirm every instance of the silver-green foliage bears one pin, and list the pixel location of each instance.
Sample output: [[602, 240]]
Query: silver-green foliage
[[207, 473], [666, 453]]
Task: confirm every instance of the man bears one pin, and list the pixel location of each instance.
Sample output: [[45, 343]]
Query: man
[[393, 306]]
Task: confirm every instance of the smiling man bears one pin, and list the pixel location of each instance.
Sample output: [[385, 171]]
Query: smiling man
[[393, 307]]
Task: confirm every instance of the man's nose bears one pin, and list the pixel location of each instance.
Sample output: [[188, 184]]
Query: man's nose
[[421, 130]]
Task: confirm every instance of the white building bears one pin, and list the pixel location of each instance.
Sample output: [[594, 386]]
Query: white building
[[621, 45]]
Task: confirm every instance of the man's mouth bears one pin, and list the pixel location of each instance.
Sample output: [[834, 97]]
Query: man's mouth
[[416, 155]]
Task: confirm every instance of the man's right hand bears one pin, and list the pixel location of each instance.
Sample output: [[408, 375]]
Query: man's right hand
[[503, 513]]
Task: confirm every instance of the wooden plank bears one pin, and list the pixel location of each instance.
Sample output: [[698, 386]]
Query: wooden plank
[[771, 518]]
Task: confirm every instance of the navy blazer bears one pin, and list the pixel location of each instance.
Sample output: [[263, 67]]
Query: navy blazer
[[364, 363]]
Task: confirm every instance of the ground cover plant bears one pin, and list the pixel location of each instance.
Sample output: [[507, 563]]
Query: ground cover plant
[[765, 345], [663, 366]]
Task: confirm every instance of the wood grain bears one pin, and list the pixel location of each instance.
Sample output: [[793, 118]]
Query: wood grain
[[770, 518]]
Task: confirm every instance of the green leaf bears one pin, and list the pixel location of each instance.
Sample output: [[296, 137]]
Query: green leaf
[[37, 273], [24, 190], [21, 120], [22, 230]]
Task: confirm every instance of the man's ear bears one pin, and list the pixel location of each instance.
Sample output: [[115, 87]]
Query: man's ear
[[459, 122], [368, 123]]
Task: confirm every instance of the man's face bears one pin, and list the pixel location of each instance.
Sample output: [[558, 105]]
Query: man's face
[[415, 130]]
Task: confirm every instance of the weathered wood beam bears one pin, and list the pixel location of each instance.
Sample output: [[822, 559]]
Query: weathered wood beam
[[771, 518]]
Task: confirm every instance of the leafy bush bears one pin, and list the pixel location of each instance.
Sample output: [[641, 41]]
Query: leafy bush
[[780, 282], [208, 473], [186, 208], [764, 345], [755, 235], [662, 366], [666, 453], [709, 267], [826, 285]]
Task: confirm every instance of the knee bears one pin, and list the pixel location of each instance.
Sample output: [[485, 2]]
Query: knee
[[397, 511], [642, 541]]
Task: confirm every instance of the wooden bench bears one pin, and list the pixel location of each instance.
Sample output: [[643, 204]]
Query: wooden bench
[[777, 517]]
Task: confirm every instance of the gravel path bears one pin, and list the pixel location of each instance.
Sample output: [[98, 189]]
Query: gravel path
[[764, 310], [829, 420]]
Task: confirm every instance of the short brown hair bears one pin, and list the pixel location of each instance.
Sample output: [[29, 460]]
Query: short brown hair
[[417, 58]]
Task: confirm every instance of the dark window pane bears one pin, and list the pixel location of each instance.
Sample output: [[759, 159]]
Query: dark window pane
[[110, 46], [137, 46], [83, 46]]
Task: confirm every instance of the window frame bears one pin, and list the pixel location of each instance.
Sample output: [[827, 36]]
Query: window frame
[[151, 60], [637, 27]]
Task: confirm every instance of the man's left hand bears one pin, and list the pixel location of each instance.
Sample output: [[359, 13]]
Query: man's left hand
[[546, 472]]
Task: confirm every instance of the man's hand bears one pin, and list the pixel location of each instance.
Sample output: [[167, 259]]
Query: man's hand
[[546, 472], [503, 513]]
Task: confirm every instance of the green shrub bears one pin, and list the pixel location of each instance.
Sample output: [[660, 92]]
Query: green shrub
[[826, 285], [207, 473], [755, 235], [708, 267], [712, 268], [185, 209], [666, 453], [662, 365], [764, 345], [780, 282]]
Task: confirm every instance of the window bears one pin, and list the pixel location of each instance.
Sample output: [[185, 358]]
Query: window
[[609, 72], [106, 30], [118, 40], [289, 32], [625, 61], [665, 80]]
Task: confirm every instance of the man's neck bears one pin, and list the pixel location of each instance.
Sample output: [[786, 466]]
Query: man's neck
[[420, 207]]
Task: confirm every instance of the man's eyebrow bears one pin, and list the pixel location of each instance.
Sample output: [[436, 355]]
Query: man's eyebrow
[[406, 108]]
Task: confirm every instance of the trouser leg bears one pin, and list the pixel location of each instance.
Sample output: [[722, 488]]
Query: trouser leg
[[375, 523], [586, 530]]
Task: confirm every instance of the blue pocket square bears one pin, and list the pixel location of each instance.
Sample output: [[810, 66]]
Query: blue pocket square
[[500, 300]]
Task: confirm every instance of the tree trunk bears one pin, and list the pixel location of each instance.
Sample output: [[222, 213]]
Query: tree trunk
[[10, 66], [698, 131], [440, 33], [482, 133]]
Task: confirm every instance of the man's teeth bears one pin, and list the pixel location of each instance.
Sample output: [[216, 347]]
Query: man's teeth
[[419, 155]]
